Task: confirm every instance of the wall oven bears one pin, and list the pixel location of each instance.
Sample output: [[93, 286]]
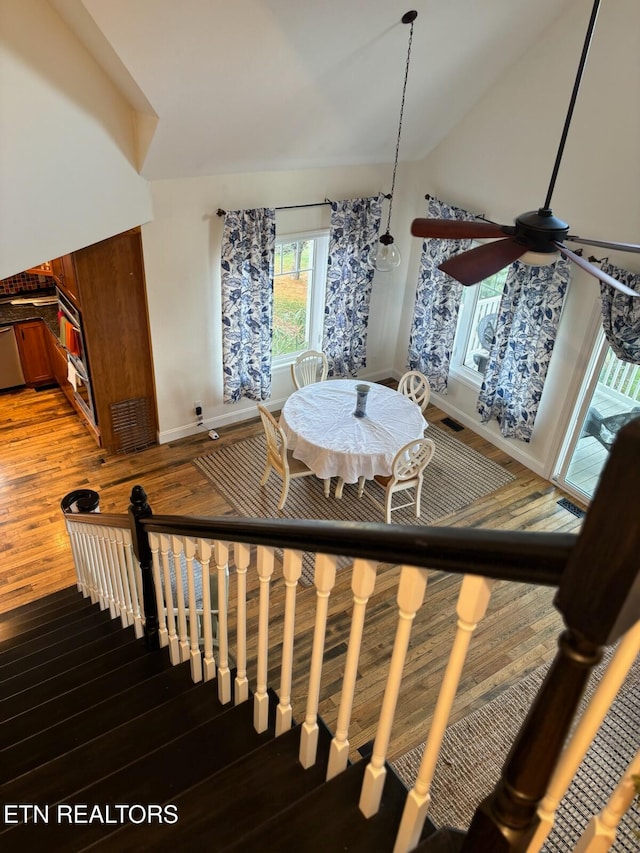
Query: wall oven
[[71, 337]]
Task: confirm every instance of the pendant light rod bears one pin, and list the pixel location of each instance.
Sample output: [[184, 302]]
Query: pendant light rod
[[407, 18], [572, 102]]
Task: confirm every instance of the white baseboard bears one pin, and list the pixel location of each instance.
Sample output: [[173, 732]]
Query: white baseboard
[[514, 448], [240, 415]]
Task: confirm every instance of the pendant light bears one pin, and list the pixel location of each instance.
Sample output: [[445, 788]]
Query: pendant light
[[385, 256]]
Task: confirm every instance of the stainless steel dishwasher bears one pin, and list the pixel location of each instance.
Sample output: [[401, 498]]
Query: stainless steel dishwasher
[[10, 368]]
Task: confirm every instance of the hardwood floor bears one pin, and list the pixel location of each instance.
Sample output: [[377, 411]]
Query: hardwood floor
[[45, 452]]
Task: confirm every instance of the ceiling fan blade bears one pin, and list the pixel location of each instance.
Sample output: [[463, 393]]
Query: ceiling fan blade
[[606, 244], [457, 229], [593, 270], [476, 264]]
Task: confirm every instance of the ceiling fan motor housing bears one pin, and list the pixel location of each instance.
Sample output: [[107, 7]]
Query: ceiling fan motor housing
[[538, 229]]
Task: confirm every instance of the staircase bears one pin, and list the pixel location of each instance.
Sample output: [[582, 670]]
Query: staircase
[[91, 720], [124, 724]]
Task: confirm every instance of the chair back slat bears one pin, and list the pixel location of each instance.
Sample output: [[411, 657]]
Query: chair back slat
[[309, 367]]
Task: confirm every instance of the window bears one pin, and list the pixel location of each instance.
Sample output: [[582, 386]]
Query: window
[[476, 326], [300, 267]]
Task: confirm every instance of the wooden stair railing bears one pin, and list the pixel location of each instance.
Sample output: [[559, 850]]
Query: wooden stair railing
[[596, 573]]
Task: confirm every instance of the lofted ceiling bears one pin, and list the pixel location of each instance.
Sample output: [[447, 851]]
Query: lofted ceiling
[[223, 86]]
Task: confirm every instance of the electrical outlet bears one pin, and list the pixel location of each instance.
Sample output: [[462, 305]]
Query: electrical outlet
[[198, 410]]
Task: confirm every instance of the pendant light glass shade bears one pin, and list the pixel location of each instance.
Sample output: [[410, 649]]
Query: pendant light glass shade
[[385, 255]]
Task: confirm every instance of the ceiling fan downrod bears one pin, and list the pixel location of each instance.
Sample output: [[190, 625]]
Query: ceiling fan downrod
[[572, 103]]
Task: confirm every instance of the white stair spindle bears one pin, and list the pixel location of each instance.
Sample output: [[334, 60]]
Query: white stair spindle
[[120, 581], [473, 600], [127, 547], [241, 552], [97, 545], [208, 663], [118, 550], [154, 547], [292, 569], [585, 731], [600, 833], [105, 556], [189, 546], [82, 580], [324, 579], [172, 634], [90, 546], [86, 569], [221, 553], [261, 698], [363, 580], [183, 642], [411, 589]]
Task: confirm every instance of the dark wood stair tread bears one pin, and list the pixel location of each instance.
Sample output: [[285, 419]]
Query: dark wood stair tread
[[328, 818], [82, 654], [40, 606], [149, 690], [82, 698], [155, 778], [117, 747], [52, 632], [72, 679], [258, 785], [91, 632]]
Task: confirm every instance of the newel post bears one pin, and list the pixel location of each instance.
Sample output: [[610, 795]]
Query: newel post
[[599, 599], [139, 509]]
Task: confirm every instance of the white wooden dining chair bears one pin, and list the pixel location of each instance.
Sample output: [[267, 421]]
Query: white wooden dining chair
[[279, 457], [415, 386], [406, 473], [309, 367]]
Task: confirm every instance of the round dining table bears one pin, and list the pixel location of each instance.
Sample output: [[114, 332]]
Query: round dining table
[[323, 432]]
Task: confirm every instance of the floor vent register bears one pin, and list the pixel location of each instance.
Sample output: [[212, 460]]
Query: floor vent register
[[454, 425], [571, 507]]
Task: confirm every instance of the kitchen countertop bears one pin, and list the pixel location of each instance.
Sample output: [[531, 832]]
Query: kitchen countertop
[[11, 314]]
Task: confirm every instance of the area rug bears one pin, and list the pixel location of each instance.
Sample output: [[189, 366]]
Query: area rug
[[475, 748], [456, 476]]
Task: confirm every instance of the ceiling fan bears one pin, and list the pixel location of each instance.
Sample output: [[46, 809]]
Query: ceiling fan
[[535, 231]]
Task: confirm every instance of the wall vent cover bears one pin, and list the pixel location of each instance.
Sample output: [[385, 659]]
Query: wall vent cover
[[132, 424]]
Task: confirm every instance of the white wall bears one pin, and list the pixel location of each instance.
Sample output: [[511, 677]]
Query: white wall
[[498, 161], [182, 262], [67, 146]]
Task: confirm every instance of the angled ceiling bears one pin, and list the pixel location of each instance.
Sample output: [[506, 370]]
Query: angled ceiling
[[264, 85]]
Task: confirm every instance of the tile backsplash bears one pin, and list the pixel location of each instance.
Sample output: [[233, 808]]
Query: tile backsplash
[[23, 282]]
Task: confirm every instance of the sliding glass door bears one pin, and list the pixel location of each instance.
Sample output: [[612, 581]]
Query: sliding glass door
[[610, 397]]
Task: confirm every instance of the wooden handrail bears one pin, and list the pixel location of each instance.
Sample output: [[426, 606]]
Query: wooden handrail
[[520, 556]]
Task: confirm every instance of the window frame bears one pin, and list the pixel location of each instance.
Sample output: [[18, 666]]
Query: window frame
[[316, 299], [466, 314]]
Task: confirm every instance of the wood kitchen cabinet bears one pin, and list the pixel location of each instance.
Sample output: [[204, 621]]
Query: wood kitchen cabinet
[[109, 279], [33, 345], [64, 272]]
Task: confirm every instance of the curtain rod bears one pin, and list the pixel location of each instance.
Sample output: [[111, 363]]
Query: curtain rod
[[221, 212]]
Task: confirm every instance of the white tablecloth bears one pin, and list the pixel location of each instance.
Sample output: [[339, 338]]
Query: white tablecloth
[[323, 432]]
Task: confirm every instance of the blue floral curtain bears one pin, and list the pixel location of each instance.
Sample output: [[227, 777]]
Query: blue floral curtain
[[621, 314], [527, 323], [248, 244], [355, 224], [435, 315]]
